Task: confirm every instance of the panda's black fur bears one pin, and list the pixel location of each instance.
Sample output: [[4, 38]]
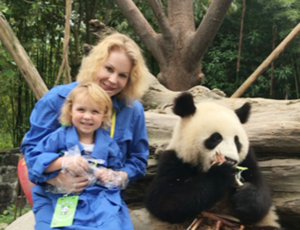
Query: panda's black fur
[[181, 190]]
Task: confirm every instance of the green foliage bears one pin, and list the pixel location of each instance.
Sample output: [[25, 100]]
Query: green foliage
[[5, 141], [218, 62], [153, 105], [8, 215], [261, 18], [39, 25]]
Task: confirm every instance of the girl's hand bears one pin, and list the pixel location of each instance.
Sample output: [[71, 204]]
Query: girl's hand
[[111, 177], [103, 174], [75, 164]]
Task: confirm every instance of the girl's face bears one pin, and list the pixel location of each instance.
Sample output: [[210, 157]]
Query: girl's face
[[86, 117], [114, 74]]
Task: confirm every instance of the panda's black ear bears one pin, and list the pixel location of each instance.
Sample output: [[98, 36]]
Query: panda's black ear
[[184, 105], [244, 112]]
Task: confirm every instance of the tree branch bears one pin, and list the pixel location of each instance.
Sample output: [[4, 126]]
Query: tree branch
[[21, 58], [181, 16], [140, 25], [65, 62], [207, 30], [161, 18]]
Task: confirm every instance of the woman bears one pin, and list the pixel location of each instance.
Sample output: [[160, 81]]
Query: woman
[[117, 65]]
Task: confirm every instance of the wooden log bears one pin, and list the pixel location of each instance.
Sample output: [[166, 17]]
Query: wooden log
[[287, 171], [283, 175], [273, 130]]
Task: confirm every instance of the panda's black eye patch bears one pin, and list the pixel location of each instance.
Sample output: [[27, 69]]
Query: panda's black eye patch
[[237, 143], [213, 141]]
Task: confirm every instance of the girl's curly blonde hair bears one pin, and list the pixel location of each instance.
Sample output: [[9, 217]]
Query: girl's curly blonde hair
[[94, 94], [138, 80]]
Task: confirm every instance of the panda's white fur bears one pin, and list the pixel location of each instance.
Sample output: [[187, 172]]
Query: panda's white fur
[[271, 219], [190, 180], [190, 133]]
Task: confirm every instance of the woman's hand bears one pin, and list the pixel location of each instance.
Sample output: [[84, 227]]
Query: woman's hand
[[69, 183]]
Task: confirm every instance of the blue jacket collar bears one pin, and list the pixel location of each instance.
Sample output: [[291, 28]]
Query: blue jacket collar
[[101, 142], [72, 138], [118, 104], [66, 89]]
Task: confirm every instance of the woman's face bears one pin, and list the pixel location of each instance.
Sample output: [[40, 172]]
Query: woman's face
[[114, 74]]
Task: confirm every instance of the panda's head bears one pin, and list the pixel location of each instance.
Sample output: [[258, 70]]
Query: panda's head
[[209, 133]]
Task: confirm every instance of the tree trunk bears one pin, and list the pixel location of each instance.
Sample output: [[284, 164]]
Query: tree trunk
[[272, 64], [180, 46], [21, 58], [241, 38]]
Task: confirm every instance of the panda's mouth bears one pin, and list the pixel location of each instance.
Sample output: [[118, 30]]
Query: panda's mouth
[[220, 159]]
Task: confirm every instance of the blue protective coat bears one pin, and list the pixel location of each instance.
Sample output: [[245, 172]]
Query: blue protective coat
[[130, 135], [98, 207]]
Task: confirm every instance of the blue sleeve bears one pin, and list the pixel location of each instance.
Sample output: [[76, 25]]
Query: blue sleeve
[[137, 155], [43, 120], [39, 158]]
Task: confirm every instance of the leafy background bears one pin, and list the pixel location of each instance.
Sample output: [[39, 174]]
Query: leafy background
[[39, 25]]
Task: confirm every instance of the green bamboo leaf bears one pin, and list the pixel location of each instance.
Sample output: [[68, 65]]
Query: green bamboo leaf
[[9, 73]]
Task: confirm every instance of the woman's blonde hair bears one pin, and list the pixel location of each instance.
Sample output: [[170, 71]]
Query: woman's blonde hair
[[138, 79], [92, 93]]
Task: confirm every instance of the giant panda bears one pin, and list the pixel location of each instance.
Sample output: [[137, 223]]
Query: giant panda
[[198, 170]]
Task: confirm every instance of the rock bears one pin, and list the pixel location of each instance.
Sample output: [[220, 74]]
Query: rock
[[139, 216]]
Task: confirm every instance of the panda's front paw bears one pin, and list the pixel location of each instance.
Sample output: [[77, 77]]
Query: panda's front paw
[[248, 203], [222, 170], [223, 173], [243, 195], [244, 187]]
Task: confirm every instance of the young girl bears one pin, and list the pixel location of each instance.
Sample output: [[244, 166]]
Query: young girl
[[85, 114]]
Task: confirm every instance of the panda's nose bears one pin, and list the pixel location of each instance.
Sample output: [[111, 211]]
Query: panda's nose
[[231, 161]]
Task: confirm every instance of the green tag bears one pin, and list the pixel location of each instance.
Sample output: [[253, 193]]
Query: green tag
[[64, 211]]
